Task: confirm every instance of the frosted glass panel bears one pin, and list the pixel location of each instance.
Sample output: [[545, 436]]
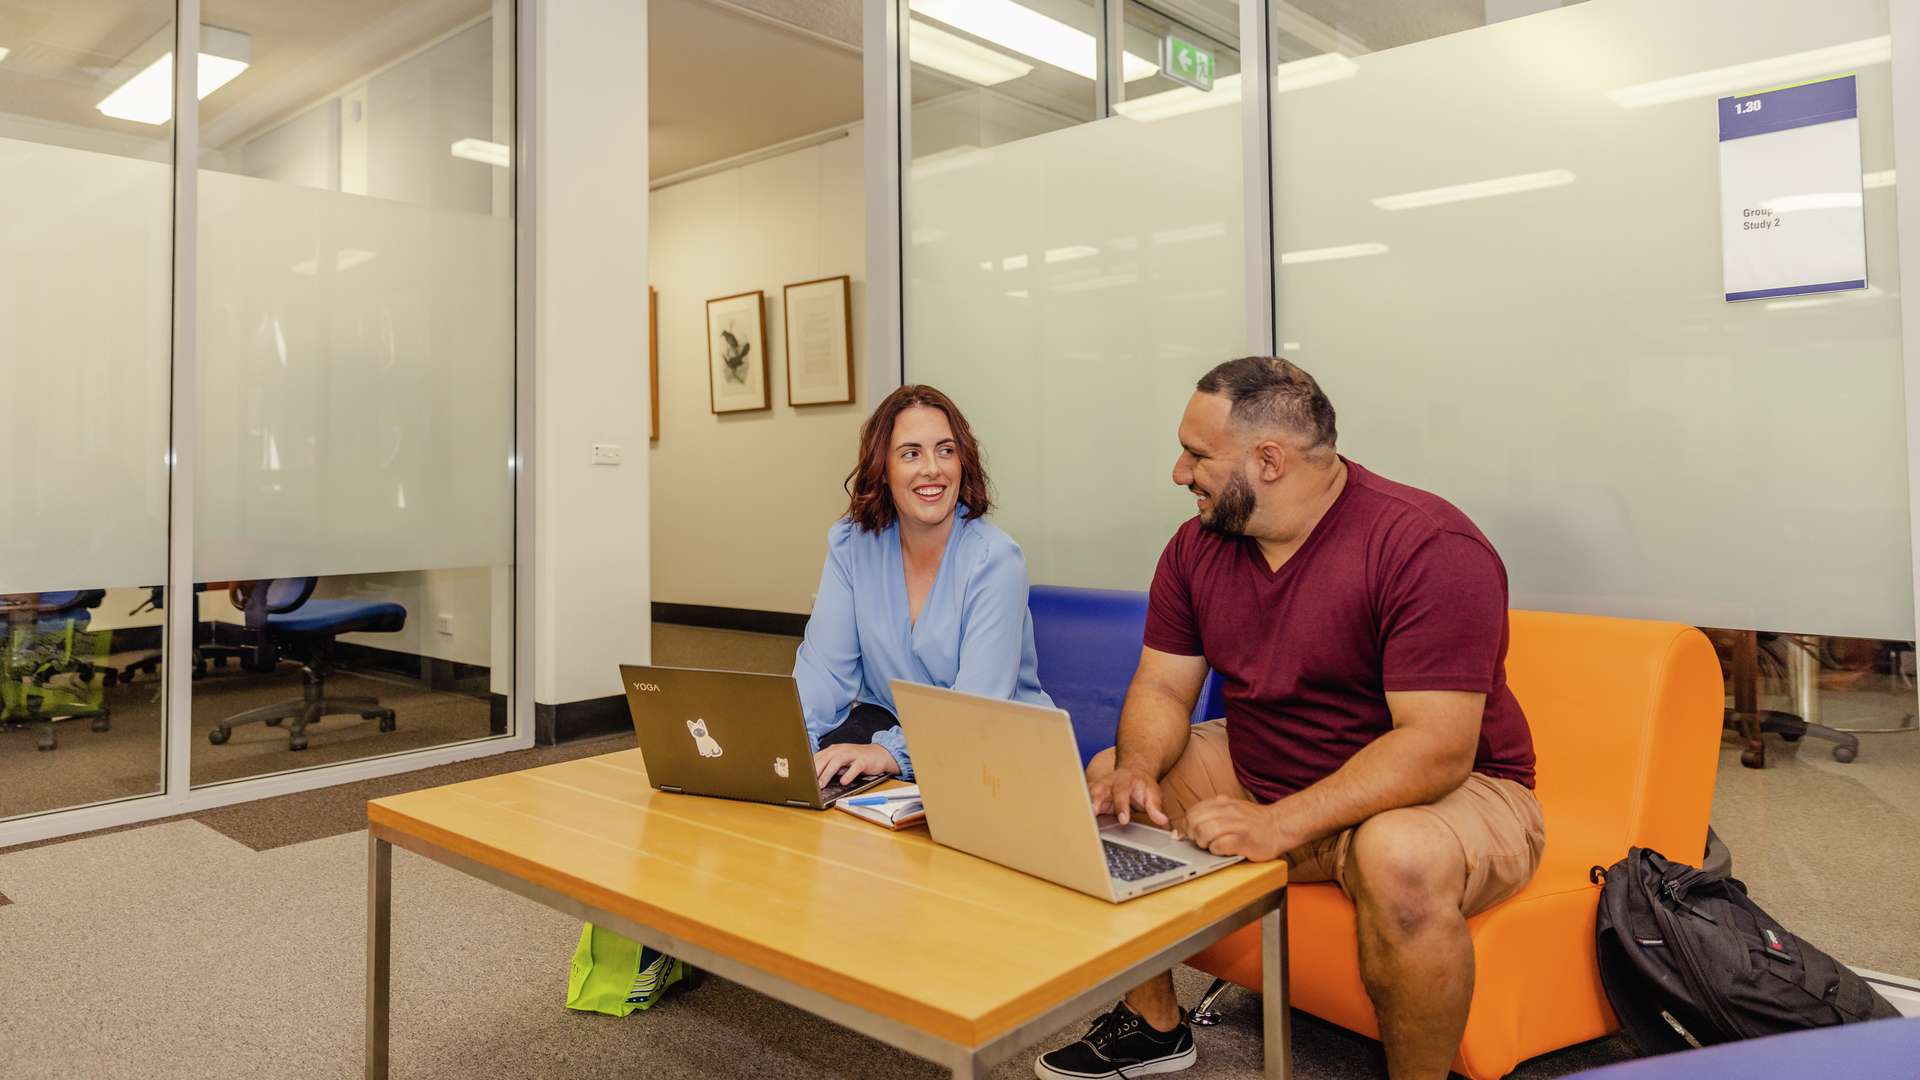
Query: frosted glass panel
[[356, 383], [85, 318], [1067, 290], [1555, 355], [353, 496]]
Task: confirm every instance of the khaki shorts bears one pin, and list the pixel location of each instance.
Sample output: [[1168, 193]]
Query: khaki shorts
[[1497, 822]]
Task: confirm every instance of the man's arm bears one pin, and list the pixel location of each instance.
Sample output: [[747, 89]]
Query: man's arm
[[1152, 734], [1429, 752]]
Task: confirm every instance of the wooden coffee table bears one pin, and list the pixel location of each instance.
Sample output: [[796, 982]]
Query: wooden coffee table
[[948, 957]]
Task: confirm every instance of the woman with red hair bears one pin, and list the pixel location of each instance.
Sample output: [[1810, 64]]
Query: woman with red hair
[[917, 586]]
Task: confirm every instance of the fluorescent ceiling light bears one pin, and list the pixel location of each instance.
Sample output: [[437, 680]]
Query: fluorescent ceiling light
[[1191, 233], [1741, 78], [926, 234], [1479, 189], [4, 51], [962, 59], [1883, 178], [1068, 254], [1293, 75], [343, 260], [1018, 294], [1348, 251], [1029, 33], [147, 98], [1014, 262], [1290, 346], [484, 152]]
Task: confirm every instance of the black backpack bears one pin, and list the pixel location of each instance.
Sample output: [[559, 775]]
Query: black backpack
[[1687, 958]]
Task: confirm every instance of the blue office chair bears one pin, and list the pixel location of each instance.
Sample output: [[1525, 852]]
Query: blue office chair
[[52, 668], [282, 616]]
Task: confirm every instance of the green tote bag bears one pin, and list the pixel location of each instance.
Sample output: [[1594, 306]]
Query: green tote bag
[[616, 976]]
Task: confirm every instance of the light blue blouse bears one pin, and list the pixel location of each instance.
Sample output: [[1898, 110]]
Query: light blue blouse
[[975, 633]]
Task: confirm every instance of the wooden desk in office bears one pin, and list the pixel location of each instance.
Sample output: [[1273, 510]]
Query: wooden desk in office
[[946, 956]]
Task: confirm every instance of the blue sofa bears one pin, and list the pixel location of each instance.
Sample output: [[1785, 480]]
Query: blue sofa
[[1088, 641]]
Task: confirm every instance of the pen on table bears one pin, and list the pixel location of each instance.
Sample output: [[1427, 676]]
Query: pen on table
[[880, 800]]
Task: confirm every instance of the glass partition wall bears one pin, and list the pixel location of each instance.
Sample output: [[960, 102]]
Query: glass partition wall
[[318, 410], [1495, 233]]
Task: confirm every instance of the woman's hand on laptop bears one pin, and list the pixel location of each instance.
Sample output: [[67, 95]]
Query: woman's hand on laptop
[[846, 761]]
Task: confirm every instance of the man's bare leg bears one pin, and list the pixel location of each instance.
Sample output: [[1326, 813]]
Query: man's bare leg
[[1408, 877]]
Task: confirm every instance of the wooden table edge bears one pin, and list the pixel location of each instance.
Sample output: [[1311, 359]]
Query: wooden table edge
[[429, 841]]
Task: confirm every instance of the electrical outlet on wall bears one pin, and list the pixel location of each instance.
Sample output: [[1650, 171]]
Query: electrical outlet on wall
[[444, 623], [608, 454]]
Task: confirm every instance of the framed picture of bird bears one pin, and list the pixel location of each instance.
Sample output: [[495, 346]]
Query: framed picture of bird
[[737, 376]]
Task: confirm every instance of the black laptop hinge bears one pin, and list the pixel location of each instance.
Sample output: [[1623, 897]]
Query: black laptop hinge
[[797, 802], [672, 788]]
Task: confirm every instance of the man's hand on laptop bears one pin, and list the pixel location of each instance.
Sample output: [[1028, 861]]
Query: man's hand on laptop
[[1228, 826], [846, 762], [1125, 789]]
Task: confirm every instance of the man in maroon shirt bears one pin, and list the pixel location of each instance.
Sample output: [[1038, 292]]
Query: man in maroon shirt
[[1360, 629]]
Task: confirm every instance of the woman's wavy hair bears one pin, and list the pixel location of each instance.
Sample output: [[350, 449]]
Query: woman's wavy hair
[[870, 503]]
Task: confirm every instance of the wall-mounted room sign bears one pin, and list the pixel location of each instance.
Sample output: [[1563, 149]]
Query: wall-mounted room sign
[[1185, 62], [1790, 207]]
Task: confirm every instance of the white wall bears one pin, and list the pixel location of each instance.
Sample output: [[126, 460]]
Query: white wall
[[592, 598], [742, 501]]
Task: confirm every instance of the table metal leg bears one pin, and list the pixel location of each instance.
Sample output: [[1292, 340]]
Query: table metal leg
[[379, 951], [1275, 1008]]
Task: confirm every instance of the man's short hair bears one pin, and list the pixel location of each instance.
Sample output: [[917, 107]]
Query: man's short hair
[[1267, 393]]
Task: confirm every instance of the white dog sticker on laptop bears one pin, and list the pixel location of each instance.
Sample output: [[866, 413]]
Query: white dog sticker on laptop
[[708, 747]]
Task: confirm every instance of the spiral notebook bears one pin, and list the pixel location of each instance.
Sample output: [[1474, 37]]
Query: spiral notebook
[[901, 809]]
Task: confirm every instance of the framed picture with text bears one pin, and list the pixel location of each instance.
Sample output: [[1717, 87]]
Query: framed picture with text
[[737, 379], [819, 316], [653, 360]]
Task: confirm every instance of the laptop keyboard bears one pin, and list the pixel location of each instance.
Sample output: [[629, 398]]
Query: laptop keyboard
[[1132, 864], [834, 791]]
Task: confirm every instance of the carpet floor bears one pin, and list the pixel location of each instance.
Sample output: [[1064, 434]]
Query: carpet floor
[[230, 943]]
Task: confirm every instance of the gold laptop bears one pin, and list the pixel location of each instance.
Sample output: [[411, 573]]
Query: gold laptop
[[1002, 780]]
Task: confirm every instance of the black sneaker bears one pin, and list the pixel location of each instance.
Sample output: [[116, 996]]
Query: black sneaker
[[1120, 1044]]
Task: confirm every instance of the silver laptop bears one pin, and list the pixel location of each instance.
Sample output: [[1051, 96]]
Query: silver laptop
[[1002, 780], [728, 734]]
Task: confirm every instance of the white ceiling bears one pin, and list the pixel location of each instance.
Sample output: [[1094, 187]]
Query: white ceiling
[[723, 82]]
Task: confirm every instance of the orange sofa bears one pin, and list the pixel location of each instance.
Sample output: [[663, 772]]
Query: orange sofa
[[1626, 727]]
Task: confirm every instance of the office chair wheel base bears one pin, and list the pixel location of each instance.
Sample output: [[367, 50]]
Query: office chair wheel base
[[101, 723], [219, 735], [297, 742], [275, 722], [1844, 753], [387, 721], [1753, 759]]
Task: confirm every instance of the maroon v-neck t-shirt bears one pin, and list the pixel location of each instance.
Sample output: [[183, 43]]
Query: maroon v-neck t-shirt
[[1395, 589]]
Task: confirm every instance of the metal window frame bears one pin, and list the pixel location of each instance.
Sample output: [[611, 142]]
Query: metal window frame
[[177, 795], [1903, 17]]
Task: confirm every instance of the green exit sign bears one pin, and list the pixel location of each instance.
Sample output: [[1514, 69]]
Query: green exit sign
[[1185, 62]]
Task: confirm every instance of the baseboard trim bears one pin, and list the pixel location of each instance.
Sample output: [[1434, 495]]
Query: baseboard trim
[[570, 720], [726, 618], [1901, 992]]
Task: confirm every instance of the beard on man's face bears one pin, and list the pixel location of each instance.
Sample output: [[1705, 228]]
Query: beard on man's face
[[1231, 509]]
